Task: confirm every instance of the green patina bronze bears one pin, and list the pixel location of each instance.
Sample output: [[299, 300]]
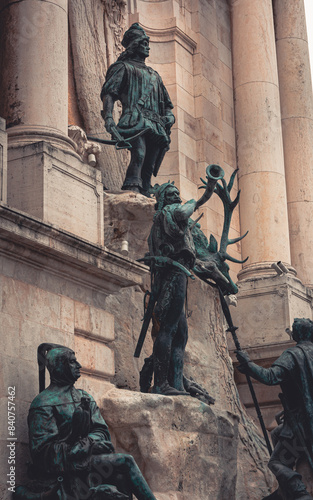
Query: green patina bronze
[[178, 248], [72, 454], [145, 124], [293, 438]]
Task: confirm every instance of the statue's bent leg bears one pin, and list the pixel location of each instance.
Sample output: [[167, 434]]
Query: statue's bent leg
[[281, 463], [133, 180], [117, 464], [171, 306], [177, 354]]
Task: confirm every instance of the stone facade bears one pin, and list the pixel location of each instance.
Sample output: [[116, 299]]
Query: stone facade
[[236, 71]]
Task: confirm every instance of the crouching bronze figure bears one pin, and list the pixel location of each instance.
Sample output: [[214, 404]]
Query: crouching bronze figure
[[293, 438]]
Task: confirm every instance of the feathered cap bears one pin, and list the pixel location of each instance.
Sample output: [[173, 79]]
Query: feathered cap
[[134, 33]]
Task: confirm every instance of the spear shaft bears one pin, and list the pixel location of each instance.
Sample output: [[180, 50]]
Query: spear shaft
[[232, 329]]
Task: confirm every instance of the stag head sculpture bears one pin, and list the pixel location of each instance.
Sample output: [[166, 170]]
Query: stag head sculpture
[[209, 257]]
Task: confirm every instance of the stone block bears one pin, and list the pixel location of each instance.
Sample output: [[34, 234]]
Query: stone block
[[186, 101], [184, 78], [207, 28], [96, 322], [226, 74], [211, 134], [224, 54], [209, 111], [67, 314], [208, 153], [267, 306], [228, 115], [229, 134], [167, 71], [207, 90], [161, 52], [187, 145], [56, 187], [128, 217], [229, 155], [10, 330], [95, 357], [173, 163], [29, 302], [227, 94], [3, 161], [207, 48], [224, 34], [203, 66]]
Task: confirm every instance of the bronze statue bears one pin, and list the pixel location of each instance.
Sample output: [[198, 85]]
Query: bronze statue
[[71, 449], [293, 438], [147, 116], [177, 247]]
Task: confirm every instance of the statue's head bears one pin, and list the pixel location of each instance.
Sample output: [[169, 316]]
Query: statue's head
[[302, 329], [166, 194], [136, 43], [61, 363]]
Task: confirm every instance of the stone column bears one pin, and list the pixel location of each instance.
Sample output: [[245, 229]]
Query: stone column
[[263, 207], [34, 81], [296, 100]]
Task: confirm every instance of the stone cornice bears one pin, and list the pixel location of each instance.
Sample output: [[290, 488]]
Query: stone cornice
[[170, 34], [45, 246]]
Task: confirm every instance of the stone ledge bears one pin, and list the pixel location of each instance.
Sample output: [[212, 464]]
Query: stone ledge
[[26, 238]]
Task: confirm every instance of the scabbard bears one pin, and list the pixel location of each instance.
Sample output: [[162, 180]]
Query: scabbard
[[145, 326]]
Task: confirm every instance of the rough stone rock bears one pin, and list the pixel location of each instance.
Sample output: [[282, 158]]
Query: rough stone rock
[[185, 448], [127, 216]]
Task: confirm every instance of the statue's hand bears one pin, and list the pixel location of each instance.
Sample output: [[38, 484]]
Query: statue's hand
[[80, 450], [109, 124], [134, 117], [168, 121], [100, 447], [243, 358]]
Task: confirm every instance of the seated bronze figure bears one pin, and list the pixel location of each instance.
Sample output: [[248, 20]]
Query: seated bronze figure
[[72, 454]]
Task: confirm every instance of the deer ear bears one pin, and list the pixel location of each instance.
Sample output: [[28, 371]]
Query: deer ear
[[213, 244]]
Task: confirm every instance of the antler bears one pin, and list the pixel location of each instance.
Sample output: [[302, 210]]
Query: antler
[[223, 192]]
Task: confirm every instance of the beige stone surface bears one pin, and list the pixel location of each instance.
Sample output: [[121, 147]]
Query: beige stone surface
[[56, 187], [263, 212], [34, 86]]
